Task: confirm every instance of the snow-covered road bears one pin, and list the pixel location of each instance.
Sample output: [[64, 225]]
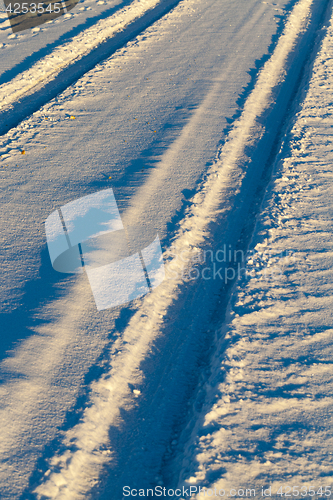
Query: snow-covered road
[[181, 122]]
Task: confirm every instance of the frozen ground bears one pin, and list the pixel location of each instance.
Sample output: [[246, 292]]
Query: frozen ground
[[183, 123]]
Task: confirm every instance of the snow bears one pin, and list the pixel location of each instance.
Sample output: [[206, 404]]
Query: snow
[[267, 414], [25, 48], [74, 49], [93, 398]]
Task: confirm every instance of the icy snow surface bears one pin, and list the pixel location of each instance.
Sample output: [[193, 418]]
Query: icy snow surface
[[180, 124]]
